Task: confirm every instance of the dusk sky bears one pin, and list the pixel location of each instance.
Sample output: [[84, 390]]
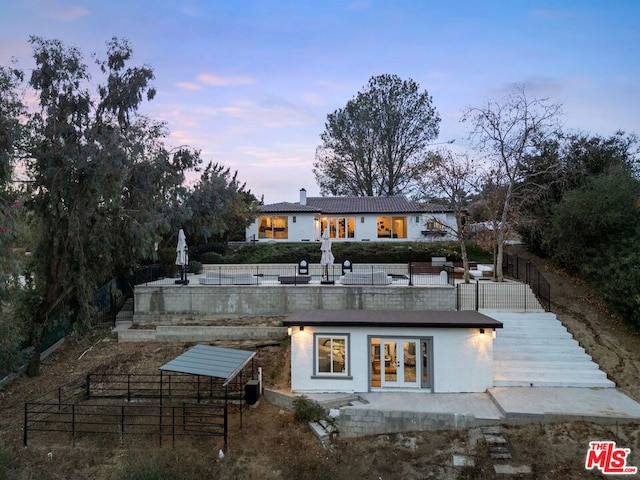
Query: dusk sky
[[250, 83]]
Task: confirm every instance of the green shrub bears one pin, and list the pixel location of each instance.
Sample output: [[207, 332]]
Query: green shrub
[[194, 267], [307, 410], [212, 257], [357, 252]]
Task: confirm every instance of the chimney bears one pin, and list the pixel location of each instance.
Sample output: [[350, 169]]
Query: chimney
[[303, 196]]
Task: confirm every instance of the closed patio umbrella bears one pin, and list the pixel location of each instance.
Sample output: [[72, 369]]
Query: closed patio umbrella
[[182, 257], [327, 257]]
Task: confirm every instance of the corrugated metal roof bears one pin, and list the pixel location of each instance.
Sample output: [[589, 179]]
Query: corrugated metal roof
[[208, 361], [391, 318]]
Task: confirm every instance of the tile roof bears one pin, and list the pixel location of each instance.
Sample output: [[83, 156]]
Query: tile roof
[[285, 207], [334, 205]]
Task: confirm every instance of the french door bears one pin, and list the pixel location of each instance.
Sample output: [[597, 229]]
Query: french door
[[400, 367]]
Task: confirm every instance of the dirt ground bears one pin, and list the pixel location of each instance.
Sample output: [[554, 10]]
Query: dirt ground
[[272, 445]]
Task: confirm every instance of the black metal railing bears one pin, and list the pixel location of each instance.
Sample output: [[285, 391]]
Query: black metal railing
[[253, 275], [525, 271], [162, 405]]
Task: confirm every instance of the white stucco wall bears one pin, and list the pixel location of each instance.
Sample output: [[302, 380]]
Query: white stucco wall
[[462, 359], [306, 228]]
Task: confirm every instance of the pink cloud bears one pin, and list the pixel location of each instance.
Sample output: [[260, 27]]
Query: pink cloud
[[218, 81]]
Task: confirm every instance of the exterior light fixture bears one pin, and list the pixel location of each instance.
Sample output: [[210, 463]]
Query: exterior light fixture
[[482, 332], [494, 333], [302, 328], [289, 331]]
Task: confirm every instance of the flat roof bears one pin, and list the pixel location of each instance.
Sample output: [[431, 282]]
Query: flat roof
[[391, 318], [208, 361]]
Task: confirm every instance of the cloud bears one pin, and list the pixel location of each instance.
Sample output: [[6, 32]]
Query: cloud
[[270, 112], [314, 99], [68, 12], [218, 81], [189, 86]]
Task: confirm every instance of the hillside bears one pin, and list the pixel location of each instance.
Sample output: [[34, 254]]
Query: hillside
[[272, 445]]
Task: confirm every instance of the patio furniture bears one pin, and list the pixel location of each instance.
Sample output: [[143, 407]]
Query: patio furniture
[[347, 267], [294, 279], [482, 272], [365, 278], [231, 278]]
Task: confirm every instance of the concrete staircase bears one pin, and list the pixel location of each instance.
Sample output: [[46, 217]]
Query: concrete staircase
[[535, 349], [124, 318]]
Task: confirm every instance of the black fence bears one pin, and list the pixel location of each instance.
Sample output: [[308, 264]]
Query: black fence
[[495, 296], [525, 271], [165, 405], [385, 274]]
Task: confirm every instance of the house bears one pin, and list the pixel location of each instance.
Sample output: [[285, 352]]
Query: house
[[363, 219], [348, 351]]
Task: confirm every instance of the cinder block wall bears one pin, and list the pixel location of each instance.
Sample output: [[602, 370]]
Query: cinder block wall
[[170, 304], [359, 421]]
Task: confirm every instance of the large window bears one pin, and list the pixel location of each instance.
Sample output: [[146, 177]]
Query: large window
[[273, 227], [331, 354], [339, 227], [392, 227]]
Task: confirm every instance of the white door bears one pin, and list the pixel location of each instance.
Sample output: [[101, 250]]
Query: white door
[[400, 368]]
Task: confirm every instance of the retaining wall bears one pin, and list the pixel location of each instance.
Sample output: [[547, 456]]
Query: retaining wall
[[173, 303], [359, 421], [170, 333]]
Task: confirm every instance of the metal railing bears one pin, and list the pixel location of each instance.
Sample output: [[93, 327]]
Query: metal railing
[[288, 274], [525, 271], [95, 407], [76, 419], [496, 296]]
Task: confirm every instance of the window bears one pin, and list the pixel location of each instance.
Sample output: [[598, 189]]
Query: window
[[331, 354], [434, 225], [392, 227], [273, 227], [339, 227]]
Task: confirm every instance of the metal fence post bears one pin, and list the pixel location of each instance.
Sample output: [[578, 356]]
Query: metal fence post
[[477, 294]]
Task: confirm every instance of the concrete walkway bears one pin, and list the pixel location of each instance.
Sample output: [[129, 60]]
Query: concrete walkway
[[376, 413], [601, 405]]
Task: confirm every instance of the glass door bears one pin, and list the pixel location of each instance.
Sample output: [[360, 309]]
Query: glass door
[[399, 367]]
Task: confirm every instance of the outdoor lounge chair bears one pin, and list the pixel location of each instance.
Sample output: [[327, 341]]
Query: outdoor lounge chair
[[365, 278], [232, 278], [302, 277]]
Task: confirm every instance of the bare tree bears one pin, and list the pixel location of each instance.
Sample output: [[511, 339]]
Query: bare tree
[[508, 133], [452, 177]]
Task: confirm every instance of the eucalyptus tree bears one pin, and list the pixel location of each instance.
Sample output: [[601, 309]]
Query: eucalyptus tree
[[372, 146], [508, 132], [11, 109], [100, 179]]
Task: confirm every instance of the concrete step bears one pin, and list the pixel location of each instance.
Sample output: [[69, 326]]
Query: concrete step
[[579, 365], [543, 341], [549, 382], [538, 349], [533, 356]]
